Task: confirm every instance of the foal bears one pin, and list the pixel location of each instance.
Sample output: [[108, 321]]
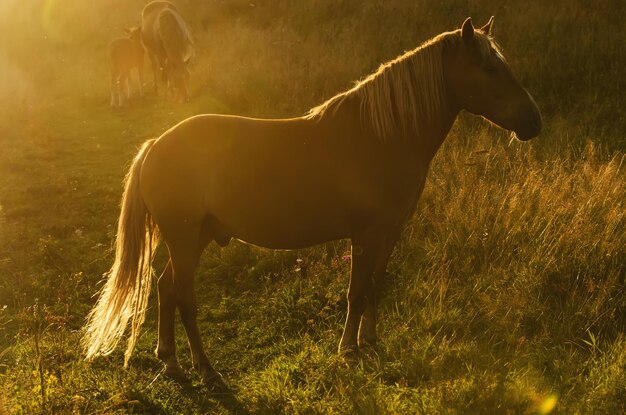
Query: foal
[[125, 54]]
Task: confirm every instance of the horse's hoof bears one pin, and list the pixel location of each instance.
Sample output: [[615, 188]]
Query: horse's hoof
[[175, 373], [367, 344], [214, 381], [368, 351], [350, 355], [346, 349]]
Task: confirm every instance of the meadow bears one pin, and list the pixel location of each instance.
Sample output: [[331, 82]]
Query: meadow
[[505, 295]]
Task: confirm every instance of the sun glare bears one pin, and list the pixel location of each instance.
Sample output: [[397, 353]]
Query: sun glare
[[548, 405], [54, 21]]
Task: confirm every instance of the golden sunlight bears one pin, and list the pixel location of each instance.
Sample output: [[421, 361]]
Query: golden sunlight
[[547, 405], [63, 19], [412, 261]]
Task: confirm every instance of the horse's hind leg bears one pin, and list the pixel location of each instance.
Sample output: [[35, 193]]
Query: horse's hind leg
[[184, 255], [185, 91], [114, 87], [166, 348], [154, 61], [127, 82]]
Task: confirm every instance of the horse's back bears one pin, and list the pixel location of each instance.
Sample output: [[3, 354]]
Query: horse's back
[[155, 7], [149, 19], [208, 138], [125, 54], [174, 35], [274, 183], [163, 28], [201, 168]]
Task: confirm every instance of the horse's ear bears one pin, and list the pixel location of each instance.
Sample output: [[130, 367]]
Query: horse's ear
[[486, 29], [467, 30]]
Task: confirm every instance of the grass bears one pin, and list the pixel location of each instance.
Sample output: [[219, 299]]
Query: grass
[[505, 295]]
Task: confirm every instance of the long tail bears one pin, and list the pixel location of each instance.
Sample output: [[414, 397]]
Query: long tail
[[125, 294]]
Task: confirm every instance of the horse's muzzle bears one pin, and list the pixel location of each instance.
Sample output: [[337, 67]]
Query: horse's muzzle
[[530, 127]]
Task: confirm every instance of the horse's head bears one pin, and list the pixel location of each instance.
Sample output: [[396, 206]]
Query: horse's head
[[134, 33], [480, 81]]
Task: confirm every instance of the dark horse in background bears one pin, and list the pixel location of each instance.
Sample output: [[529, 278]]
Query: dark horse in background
[[169, 45], [353, 167]]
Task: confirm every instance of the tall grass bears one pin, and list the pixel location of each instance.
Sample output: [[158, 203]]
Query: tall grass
[[505, 295]]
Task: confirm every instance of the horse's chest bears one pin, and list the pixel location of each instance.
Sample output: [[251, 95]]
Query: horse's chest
[[401, 196]]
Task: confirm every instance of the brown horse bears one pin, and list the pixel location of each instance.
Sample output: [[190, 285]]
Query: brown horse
[[353, 167], [169, 45], [125, 54]]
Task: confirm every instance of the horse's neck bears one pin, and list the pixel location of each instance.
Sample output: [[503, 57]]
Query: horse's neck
[[418, 146], [433, 135]]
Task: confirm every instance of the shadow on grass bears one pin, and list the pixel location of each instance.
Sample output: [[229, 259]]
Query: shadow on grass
[[206, 399]]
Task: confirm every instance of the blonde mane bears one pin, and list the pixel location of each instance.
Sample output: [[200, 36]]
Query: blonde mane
[[404, 94]]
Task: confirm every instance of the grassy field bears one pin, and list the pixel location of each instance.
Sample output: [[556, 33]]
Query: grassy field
[[506, 294]]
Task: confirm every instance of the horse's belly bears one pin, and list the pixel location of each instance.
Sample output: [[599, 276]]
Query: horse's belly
[[286, 226]]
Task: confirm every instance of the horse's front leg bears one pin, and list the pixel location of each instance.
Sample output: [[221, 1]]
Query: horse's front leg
[[166, 348], [366, 250], [140, 77], [367, 328], [113, 89]]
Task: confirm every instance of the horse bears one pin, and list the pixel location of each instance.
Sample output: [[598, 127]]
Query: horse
[[352, 168], [169, 44], [125, 54]]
